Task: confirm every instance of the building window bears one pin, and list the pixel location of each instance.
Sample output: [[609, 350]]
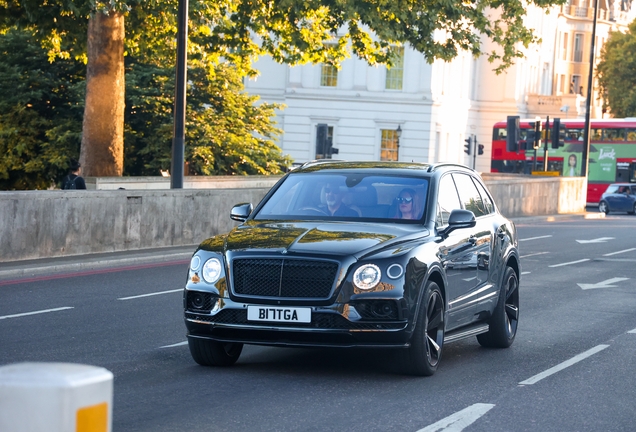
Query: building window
[[324, 141], [389, 145], [564, 47], [395, 74], [575, 85], [578, 47], [328, 74]]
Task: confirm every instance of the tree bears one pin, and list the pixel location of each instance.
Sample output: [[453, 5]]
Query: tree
[[228, 132], [292, 31], [615, 73], [40, 113]]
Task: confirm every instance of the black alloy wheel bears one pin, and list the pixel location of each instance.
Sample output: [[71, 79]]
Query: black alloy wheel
[[425, 352], [505, 318], [212, 353], [603, 207]]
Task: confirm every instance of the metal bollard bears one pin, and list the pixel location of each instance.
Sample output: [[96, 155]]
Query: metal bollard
[[55, 397]]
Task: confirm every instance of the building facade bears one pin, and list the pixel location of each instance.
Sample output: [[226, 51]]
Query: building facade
[[424, 112]]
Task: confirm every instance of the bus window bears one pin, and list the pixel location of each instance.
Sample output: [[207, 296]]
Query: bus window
[[613, 134], [500, 134], [631, 134], [596, 135], [574, 134]]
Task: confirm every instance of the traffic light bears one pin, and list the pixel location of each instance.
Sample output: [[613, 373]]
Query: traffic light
[[512, 134], [480, 149], [321, 141], [469, 144], [537, 134], [530, 140], [558, 134]]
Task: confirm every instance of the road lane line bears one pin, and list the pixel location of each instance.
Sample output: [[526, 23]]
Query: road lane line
[[151, 294], [175, 345], [535, 238], [632, 331], [525, 273], [565, 364], [460, 420], [35, 312], [620, 252], [568, 263], [533, 254]]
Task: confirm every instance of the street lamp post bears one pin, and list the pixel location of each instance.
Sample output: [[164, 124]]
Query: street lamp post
[[588, 101], [178, 138]]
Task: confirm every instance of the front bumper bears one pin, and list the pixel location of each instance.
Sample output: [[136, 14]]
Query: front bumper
[[338, 325]]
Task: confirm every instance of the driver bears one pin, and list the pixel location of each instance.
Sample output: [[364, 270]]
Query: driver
[[333, 197]]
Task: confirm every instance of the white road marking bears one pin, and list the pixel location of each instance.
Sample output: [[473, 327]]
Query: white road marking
[[632, 331], [605, 284], [535, 379], [568, 263], [460, 420], [538, 253], [525, 273], [598, 240], [35, 312], [469, 279], [535, 238], [620, 252], [175, 345], [151, 294]]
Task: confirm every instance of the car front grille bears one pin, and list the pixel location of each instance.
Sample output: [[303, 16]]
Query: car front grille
[[283, 278], [325, 321]]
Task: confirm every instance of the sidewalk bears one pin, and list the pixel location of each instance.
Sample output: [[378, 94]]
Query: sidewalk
[[81, 263]]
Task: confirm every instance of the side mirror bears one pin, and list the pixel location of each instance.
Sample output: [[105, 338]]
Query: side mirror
[[241, 212], [459, 219]]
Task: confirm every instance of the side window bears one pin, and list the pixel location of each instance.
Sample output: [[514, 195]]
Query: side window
[[489, 207], [447, 201], [468, 194]]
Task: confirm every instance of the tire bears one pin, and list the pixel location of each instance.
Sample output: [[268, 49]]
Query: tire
[[633, 209], [505, 318], [212, 353], [425, 352], [603, 207]]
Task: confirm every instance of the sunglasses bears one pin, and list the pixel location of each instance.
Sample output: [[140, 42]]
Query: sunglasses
[[402, 200]]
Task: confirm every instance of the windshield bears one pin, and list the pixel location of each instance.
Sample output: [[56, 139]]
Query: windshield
[[347, 197]]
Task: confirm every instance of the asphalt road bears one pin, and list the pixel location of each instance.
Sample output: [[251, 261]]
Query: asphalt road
[[571, 367]]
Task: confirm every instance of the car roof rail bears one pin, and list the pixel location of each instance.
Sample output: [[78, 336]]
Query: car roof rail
[[319, 161], [435, 166]]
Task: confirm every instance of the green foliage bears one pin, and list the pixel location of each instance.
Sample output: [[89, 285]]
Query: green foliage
[[615, 73], [227, 132], [40, 113]]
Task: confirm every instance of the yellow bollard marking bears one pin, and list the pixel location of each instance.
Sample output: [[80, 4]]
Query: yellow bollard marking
[[92, 418]]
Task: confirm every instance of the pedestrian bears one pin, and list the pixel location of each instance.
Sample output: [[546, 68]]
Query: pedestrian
[[74, 180]]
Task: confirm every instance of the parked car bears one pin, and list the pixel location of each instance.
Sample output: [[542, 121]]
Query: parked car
[[619, 197], [359, 254]]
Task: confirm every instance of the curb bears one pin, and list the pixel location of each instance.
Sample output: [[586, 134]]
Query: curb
[[34, 269]]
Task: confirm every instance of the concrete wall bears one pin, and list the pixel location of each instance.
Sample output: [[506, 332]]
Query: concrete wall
[[39, 224]]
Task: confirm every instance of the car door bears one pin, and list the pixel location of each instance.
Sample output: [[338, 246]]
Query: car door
[[476, 290], [457, 253]]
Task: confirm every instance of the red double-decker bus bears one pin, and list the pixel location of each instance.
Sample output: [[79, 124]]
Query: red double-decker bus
[[612, 155]]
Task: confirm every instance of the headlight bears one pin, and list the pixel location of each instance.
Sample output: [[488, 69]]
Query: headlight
[[211, 270], [367, 276]]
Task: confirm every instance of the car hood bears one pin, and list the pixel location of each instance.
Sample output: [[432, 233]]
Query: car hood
[[318, 237]]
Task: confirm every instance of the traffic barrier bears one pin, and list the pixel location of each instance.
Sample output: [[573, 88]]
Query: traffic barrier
[[55, 397]]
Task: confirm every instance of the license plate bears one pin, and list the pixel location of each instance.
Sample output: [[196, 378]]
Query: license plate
[[279, 314]]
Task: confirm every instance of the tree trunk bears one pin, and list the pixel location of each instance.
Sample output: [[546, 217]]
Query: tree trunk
[[102, 152]]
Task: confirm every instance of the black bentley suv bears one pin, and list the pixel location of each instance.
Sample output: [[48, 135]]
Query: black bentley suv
[[358, 254]]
